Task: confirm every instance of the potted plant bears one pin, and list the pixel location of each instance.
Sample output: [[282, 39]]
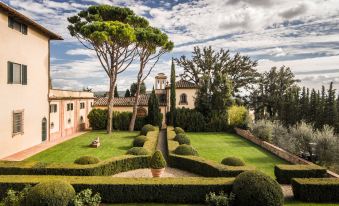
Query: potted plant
[[157, 164]]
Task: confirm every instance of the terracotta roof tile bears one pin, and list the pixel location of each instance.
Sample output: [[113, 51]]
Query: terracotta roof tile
[[183, 84], [124, 101]]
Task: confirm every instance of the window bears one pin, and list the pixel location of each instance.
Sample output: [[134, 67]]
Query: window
[[82, 105], [183, 99], [70, 107], [16, 73], [53, 108], [18, 125], [14, 24]]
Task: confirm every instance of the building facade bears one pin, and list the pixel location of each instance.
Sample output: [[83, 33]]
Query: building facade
[[185, 95]]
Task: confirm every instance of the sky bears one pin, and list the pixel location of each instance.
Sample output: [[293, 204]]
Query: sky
[[300, 34]]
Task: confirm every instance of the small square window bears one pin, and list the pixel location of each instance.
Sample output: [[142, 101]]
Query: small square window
[[69, 106], [53, 108], [82, 105]]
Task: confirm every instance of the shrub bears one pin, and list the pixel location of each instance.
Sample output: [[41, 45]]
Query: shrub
[[157, 160], [184, 140], [326, 145], [254, 188], [285, 173], [97, 119], [233, 161], [263, 129], [139, 141], [316, 189], [178, 136], [137, 151], [303, 135], [217, 123], [139, 123], [121, 120], [87, 160], [146, 128], [238, 116], [190, 120], [179, 130], [86, 198], [51, 193], [14, 198], [185, 150], [219, 200], [282, 138]]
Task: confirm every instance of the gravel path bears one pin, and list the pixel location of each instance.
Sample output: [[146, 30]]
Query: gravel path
[[146, 173], [162, 143], [287, 190]]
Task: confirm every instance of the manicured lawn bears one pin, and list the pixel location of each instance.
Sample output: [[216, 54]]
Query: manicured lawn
[[111, 145], [216, 146]]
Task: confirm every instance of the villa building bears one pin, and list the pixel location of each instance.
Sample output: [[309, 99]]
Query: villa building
[[25, 119], [185, 94]]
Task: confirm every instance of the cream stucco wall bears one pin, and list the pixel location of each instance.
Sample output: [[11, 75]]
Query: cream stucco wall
[[191, 94], [32, 50]]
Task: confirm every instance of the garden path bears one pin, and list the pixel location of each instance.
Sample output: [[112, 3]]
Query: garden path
[[146, 173], [162, 143]]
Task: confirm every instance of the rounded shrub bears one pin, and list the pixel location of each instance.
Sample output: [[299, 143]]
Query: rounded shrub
[[179, 130], [87, 160], [185, 150], [184, 140], [179, 136], [139, 141], [233, 161], [157, 161], [254, 188], [52, 193], [146, 128], [137, 151]]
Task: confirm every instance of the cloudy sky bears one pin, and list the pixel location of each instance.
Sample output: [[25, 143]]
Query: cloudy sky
[[301, 34]]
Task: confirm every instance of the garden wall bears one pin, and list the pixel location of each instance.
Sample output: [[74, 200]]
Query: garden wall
[[283, 154]]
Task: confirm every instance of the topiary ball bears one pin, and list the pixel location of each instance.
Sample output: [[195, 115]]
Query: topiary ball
[[184, 140], [254, 188], [179, 136], [137, 151], [179, 130], [87, 160], [52, 193], [157, 161], [139, 141], [233, 161], [146, 128], [185, 150]]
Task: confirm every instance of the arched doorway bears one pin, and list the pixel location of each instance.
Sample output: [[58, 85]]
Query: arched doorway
[[44, 129]]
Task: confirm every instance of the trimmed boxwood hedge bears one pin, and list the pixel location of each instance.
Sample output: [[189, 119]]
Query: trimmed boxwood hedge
[[316, 189], [284, 173], [114, 190], [139, 141], [104, 168], [87, 160], [199, 165]]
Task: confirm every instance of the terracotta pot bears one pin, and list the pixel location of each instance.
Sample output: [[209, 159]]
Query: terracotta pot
[[157, 172]]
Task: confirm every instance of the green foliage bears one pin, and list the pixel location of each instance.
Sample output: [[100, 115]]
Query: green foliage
[[173, 97], [139, 141], [316, 189], [86, 198], [87, 160], [190, 120], [326, 146], [254, 188], [157, 161], [263, 129], [133, 88], [154, 116], [285, 173], [127, 190], [233, 161], [184, 140], [217, 123], [179, 130], [15, 198], [185, 150], [146, 128], [137, 151], [127, 93], [116, 93], [51, 193], [97, 119], [221, 199], [179, 136], [303, 135], [238, 116]]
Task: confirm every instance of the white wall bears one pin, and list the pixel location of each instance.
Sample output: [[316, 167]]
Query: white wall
[[31, 50]]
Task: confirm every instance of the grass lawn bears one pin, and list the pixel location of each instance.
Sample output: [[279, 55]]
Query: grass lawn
[[216, 146], [111, 145]]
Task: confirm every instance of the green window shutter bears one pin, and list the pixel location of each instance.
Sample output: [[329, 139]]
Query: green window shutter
[[24, 29], [24, 74], [10, 22], [9, 72]]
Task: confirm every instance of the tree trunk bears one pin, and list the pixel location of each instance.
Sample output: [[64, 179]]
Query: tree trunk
[[112, 81], [136, 99]]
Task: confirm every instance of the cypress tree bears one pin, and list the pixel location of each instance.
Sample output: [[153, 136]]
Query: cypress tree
[[313, 109], [116, 94], [173, 94], [331, 107], [154, 115], [127, 93]]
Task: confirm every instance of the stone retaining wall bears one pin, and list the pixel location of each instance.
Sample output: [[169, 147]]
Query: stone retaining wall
[[283, 154]]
